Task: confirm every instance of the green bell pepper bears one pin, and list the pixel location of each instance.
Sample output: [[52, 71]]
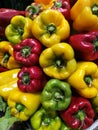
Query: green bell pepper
[[65, 127], [45, 120], [18, 29], [56, 95]]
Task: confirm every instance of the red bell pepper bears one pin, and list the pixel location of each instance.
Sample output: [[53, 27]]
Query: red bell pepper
[[79, 114], [85, 45], [2, 69], [5, 16], [31, 79], [28, 51], [63, 6]]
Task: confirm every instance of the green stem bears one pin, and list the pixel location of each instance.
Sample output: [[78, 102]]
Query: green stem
[[32, 10], [58, 4], [95, 42], [26, 51], [88, 80], [19, 107], [6, 57], [80, 115], [51, 28], [95, 9], [26, 78]]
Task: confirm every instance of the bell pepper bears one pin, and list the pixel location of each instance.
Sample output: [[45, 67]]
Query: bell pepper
[[23, 105], [2, 69], [31, 79], [8, 76], [56, 95], [87, 77], [45, 120], [7, 88], [18, 29], [84, 14], [65, 127], [27, 52], [46, 4], [80, 114], [85, 45], [58, 61], [64, 7], [6, 56], [5, 16], [94, 102], [50, 27]]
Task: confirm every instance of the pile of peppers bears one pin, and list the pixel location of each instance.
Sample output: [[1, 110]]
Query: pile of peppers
[[49, 63]]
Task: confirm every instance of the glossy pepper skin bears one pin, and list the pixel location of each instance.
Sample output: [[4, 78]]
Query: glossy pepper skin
[[79, 114], [87, 77], [18, 29], [57, 61], [23, 105], [84, 14], [56, 95], [31, 79], [85, 45], [50, 27], [64, 7], [45, 120], [5, 16], [6, 89], [8, 76], [28, 51], [6, 56]]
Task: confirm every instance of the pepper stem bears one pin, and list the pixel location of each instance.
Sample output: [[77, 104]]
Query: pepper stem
[[88, 80], [96, 43], [19, 107], [26, 78], [6, 57], [58, 4], [95, 9], [25, 51], [51, 28]]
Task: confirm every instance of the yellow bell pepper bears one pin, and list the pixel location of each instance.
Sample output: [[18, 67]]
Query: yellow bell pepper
[[8, 76], [23, 105], [85, 79], [50, 27], [6, 56], [84, 14], [7, 88], [58, 61]]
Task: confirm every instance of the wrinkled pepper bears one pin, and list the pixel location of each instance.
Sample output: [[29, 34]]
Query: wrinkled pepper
[[5, 16], [79, 114], [87, 77], [85, 45], [94, 102], [27, 52], [8, 76], [6, 56], [45, 120], [50, 27], [6, 89], [64, 7], [23, 105], [84, 14], [18, 29], [31, 79], [56, 95], [58, 61]]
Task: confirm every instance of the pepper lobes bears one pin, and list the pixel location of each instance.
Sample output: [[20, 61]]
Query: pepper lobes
[[18, 29], [58, 61], [80, 114], [50, 27], [84, 14], [45, 120], [6, 56], [85, 45], [23, 105], [87, 77]]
